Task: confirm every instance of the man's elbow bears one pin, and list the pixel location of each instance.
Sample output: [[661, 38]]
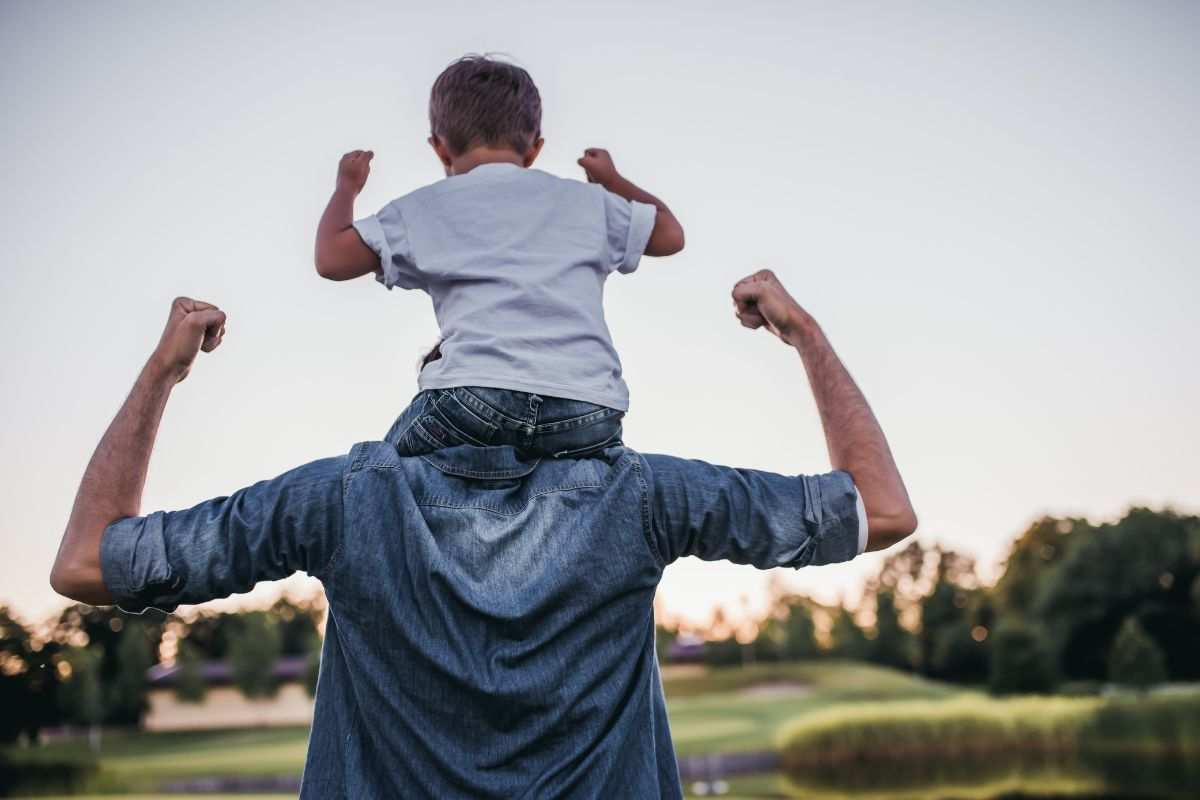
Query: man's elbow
[[885, 530], [64, 581], [80, 585], [58, 581]]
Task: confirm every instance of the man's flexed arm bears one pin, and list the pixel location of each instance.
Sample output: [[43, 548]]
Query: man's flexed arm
[[856, 442], [112, 485]]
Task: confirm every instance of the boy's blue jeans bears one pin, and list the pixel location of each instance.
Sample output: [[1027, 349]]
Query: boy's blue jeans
[[538, 426]]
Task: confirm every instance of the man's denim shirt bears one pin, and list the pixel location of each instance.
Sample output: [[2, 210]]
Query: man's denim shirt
[[490, 630]]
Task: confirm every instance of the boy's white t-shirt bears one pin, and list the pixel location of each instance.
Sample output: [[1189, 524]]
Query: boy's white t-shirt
[[515, 260]]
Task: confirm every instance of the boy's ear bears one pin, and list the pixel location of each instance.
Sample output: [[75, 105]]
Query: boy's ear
[[443, 153], [532, 153]]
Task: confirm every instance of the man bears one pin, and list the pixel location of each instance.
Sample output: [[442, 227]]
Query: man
[[490, 628]]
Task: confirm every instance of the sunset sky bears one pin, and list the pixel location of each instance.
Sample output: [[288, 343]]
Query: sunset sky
[[992, 209]]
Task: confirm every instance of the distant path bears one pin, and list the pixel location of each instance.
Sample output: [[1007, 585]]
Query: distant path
[[709, 766], [712, 766]]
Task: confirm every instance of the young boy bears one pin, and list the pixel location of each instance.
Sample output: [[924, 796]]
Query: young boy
[[515, 261]]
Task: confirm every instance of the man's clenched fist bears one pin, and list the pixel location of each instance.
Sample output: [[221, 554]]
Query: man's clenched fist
[[760, 301], [192, 326]]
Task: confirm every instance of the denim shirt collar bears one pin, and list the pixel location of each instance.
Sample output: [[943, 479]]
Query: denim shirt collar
[[485, 463]]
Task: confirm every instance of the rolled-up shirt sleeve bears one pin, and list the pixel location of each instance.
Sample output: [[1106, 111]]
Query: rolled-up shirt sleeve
[[629, 224], [387, 234], [228, 544], [752, 517]]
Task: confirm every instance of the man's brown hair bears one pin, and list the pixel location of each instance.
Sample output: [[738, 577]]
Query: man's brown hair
[[478, 100]]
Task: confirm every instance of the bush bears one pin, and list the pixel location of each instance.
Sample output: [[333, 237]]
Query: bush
[[958, 656], [1021, 662], [1135, 659], [190, 687], [723, 653], [1167, 720], [894, 736], [43, 777], [253, 654], [902, 731]]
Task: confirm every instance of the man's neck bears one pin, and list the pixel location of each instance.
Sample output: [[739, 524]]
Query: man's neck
[[462, 164]]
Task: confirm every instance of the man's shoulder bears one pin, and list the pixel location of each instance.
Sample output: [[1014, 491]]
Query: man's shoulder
[[365, 455]]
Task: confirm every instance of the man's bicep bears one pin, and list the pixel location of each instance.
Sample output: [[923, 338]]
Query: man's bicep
[[226, 545], [750, 516]]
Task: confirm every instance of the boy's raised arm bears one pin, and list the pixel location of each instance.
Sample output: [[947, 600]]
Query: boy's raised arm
[[340, 252], [667, 236]]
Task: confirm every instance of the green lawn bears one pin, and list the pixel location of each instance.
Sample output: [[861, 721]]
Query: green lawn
[[714, 713], [710, 712]]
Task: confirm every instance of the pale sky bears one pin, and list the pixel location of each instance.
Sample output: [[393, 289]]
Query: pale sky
[[991, 208]]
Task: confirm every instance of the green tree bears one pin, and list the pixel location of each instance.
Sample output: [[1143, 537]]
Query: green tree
[[1021, 662], [211, 634], [1034, 556], [126, 695], [892, 644], [663, 637], [253, 654], [1143, 565], [960, 653], [103, 630], [81, 694], [799, 632], [312, 670], [190, 686], [944, 610], [847, 639], [1135, 659], [297, 625], [769, 643], [28, 685], [725, 652]]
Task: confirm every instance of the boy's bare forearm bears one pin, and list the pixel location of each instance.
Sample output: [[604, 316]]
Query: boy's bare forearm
[[667, 238], [338, 215], [620, 185], [336, 220], [340, 254]]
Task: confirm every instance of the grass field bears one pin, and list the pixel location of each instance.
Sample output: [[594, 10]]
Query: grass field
[[727, 710], [721, 712]]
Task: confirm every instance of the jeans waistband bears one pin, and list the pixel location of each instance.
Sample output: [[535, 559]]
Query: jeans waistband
[[522, 411]]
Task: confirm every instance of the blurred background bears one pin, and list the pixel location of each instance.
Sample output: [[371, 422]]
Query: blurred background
[[990, 208]]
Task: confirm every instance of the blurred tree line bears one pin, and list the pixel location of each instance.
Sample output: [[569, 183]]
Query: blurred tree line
[[1076, 606], [88, 667]]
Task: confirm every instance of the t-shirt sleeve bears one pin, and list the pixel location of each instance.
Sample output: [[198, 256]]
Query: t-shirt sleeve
[[750, 516], [630, 224], [387, 234]]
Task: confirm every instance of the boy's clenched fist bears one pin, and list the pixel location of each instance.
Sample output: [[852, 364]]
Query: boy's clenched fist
[[598, 165], [353, 170]]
